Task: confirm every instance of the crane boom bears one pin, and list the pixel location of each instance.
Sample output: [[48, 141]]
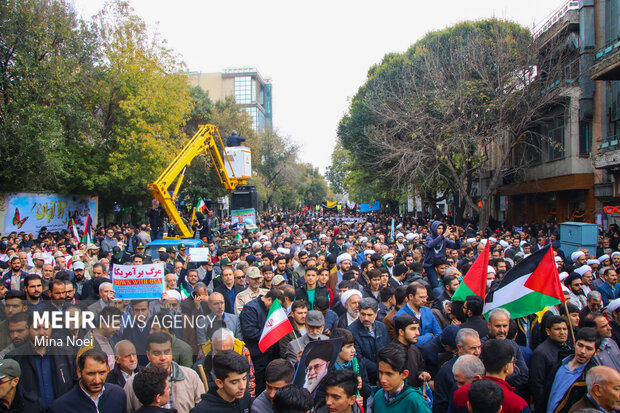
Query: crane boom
[[204, 141]]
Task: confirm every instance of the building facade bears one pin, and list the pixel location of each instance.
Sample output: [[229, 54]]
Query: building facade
[[250, 90], [606, 131], [559, 183]]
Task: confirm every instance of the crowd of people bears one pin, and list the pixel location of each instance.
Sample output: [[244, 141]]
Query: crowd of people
[[381, 285]]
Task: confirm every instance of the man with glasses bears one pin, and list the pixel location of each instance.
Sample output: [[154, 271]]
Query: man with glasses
[[109, 241], [230, 287], [13, 397], [575, 289]]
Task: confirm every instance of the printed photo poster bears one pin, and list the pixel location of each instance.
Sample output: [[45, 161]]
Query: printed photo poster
[[243, 216], [30, 212], [316, 361], [133, 282]]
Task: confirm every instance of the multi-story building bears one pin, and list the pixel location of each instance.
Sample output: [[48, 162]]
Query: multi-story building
[[606, 130], [250, 90], [558, 182]]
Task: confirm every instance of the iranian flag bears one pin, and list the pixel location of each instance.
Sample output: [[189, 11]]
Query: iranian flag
[[475, 281], [76, 235], [276, 327], [201, 207], [527, 288]]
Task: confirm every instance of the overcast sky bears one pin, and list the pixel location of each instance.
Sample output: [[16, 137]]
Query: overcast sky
[[316, 53]]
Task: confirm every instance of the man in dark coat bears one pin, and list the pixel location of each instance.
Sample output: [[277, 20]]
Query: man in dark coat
[[370, 336], [544, 359], [92, 386], [47, 370], [16, 399], [253, 318], [473, 308]]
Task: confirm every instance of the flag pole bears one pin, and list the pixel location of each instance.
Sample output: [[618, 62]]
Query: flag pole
[[570, 325]]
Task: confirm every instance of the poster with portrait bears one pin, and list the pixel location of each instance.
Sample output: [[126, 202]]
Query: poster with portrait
[[316, 361]]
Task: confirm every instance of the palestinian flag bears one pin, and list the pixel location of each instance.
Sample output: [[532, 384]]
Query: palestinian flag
[[201, 207], [527, 288], [475, 281], [87, 236], [276, 327]]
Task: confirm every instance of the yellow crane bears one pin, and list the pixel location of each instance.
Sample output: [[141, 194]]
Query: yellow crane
[[205, 141]]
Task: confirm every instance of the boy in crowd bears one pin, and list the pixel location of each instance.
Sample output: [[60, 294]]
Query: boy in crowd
[[231, 378], [396, 395], [278, 374], [340, 393]]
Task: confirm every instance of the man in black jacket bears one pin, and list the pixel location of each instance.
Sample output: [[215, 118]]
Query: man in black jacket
[[125, 363], [253, 318], [544, 359], [13, 397], [230, 394], [92, 370], [473, 309], [44, 362]]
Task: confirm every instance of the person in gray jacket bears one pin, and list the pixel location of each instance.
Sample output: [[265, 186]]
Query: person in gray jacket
[[315, 324]]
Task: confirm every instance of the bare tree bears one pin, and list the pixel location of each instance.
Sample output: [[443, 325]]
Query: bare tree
[[459, 103]]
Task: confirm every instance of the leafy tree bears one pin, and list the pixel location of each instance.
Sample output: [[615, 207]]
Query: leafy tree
[[46, 64], [276, 157], [143, 102]]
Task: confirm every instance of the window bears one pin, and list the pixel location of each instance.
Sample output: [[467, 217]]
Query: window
[[612, 21], [555, 140], [613, 108], [585, 138], [243, 90]]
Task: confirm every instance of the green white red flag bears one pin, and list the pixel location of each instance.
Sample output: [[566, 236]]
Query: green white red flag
[[276, 327], [475, 281], [530, 286], [201, 207]]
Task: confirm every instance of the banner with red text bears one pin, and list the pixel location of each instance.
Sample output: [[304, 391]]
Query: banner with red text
[[133, 282]]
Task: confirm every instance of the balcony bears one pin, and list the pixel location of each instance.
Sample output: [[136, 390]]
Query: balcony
[[558, 20], [607, 62], [607, 153]]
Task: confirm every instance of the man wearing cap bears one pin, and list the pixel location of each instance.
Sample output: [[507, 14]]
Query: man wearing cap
[[13, 397], [181, 255], [140, 251], [254, 279], [337, 247], [38, 260], [315, 323]]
